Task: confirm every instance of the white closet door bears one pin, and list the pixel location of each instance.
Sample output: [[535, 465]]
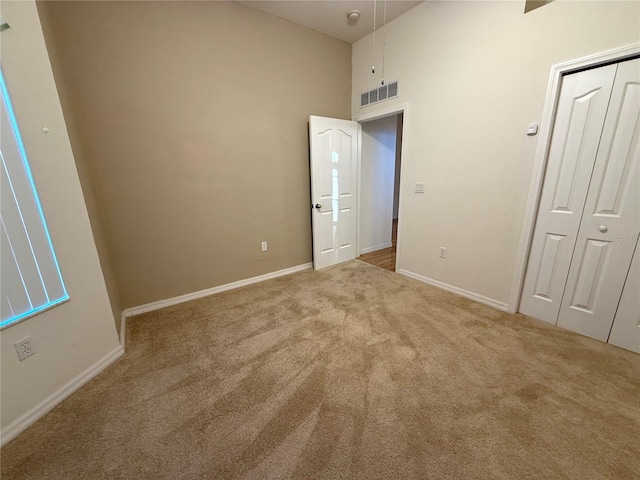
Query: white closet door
[[625, 332], [582, 108], [611, 220]]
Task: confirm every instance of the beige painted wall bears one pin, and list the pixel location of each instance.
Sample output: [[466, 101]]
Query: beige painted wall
[[475, 75], [75, 336], [192, 119], [75, 130]]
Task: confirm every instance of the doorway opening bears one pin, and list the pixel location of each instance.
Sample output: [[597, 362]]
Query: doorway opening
[[380, 190]]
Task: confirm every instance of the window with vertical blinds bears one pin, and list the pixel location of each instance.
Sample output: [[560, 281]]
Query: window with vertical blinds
[[30, 277]]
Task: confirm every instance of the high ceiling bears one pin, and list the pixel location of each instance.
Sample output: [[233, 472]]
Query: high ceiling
[[330, 16]]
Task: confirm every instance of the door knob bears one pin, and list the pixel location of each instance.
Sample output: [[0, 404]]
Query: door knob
[[318, 206], [603, 228]]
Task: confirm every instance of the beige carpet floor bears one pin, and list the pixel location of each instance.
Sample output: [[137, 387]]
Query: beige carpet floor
[[352, 372]]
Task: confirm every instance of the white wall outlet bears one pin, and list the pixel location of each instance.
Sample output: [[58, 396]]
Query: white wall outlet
[[419, 187], [264, 246], [443, 252], [24, 348]]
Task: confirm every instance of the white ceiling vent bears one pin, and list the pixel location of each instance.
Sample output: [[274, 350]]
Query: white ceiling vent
[[379, 94]]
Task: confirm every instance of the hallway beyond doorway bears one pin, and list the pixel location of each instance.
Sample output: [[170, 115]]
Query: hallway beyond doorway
[[385, 258]]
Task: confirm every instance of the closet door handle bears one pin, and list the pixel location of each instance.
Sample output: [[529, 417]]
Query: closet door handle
[[603, 229]]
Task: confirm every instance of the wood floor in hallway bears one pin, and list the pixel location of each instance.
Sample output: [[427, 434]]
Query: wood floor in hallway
[[385, 258]]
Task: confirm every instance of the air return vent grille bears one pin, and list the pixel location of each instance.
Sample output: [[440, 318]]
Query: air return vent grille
[[379, 94]]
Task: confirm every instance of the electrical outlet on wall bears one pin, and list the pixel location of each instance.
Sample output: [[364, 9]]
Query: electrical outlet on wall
[[24, 348], [443, 252], [264, 246]]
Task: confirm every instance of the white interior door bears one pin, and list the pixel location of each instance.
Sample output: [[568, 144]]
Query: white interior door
[[625, 332], [611, 219], [580, 116], [334, 170]]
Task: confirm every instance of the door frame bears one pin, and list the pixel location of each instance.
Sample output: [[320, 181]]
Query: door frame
[[542, 152], [364, 117]]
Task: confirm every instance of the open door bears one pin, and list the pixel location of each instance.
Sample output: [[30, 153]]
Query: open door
[[334, 171]]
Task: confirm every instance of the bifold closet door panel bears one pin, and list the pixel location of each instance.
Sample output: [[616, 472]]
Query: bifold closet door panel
[[625, 332], [580, 117], [611, 220]]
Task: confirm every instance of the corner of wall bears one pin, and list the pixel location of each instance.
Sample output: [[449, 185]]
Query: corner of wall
[[82, 165]]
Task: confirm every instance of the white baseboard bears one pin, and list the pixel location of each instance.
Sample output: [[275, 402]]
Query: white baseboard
[[149, 307], [375, 248], [463, 293], [21, 423]]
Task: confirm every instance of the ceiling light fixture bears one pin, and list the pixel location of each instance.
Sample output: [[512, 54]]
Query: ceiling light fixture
[[353, 16]]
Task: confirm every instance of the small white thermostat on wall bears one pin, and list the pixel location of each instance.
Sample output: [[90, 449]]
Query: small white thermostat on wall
[[532, 130]]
